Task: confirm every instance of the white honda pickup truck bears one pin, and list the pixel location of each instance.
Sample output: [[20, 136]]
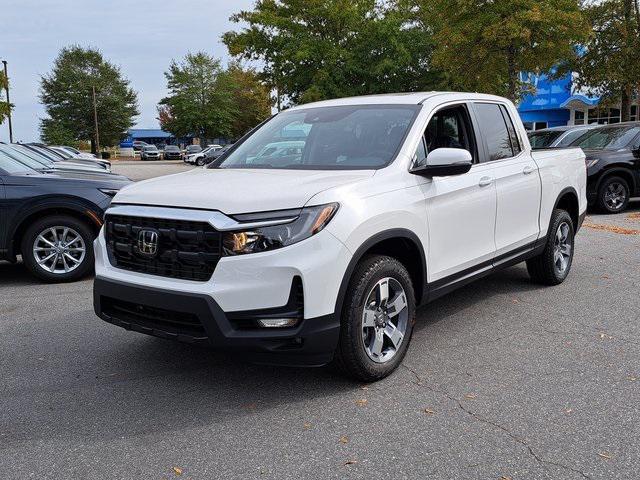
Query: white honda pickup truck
[[323, 250]]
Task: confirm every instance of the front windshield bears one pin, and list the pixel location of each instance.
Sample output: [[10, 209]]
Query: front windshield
[[12, 166], [152, 148], [22, 158], [45, 161], [607, 138], [543, 139], [338, 138]]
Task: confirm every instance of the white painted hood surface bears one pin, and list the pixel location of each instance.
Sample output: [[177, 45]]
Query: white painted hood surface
[[234, 191]]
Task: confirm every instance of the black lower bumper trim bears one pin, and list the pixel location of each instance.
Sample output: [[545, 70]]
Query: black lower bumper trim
[[198, 319]]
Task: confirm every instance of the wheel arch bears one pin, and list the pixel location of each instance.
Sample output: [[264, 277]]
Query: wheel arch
[[82, 213], [399, 243], [568, 201], [619, 171]]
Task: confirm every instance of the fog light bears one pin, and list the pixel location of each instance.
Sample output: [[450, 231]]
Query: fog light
[[277, 322]]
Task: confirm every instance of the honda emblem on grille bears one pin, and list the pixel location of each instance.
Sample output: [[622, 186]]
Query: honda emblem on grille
[[148, 242]]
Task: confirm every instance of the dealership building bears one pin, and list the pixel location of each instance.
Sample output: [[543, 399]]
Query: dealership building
[[555, 104]]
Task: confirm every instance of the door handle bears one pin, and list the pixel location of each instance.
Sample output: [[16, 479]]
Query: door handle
[[528, 170], [485, 181]]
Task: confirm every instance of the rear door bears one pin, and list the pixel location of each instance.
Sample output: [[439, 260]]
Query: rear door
[[461, 209], [517, 180]]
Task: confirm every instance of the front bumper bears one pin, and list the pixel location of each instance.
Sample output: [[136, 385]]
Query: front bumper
[[197, 318]]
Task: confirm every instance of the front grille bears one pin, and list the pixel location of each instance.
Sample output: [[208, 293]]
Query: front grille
[[168, 321], [185, 250]]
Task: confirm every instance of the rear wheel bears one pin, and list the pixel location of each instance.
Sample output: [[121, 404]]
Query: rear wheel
[[377, 319], [613, 195], [58, 248], [552, 266]]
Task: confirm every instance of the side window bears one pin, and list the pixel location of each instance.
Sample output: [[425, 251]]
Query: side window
[[448, 128], [494, 130], [515, 143]]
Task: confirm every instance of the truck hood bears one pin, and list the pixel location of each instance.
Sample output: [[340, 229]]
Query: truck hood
[[234, 191]]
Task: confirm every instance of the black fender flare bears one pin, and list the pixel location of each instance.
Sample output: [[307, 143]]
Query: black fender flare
[[366, 246], [628, 172], [79, 206]]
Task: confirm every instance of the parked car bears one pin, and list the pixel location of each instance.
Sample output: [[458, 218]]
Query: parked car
[[204, 157], [392, 202], [192, 149], [172, 152], [106, 164], [613, 165], [138, 145], [41, 161], [557, 137], [57, 157], [51, 218], [150, 152], [77, 153]]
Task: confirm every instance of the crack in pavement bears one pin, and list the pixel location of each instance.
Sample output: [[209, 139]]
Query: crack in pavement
[[487, 421]]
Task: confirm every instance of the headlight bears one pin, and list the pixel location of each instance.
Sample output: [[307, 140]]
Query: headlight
[[109, 191], [309, 221], [591, 163]]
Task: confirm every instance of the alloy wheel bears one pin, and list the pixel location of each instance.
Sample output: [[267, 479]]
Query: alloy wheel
[[562, 248], [59, 249], [615, 196], [384, 320]]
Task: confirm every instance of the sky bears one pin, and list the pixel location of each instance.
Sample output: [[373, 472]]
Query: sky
[[140, 36]]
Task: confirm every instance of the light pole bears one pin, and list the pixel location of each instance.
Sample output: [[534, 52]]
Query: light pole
[[95, 121], [6, 86]]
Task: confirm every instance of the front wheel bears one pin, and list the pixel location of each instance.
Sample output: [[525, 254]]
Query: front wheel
[[377, 319], [58, 248], [200, 162], [552, 266]]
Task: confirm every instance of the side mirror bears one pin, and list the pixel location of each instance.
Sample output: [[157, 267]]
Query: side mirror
[[444, 162]]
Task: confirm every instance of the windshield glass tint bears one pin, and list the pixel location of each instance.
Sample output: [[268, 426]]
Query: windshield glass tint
[[341, 137], [543, 139], [12, 166], [21, 157], [609, 138]]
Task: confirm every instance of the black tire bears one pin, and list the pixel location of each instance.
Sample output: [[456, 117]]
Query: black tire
[[32, 232], [351, 356], [544, 268], [200, 162], [617, 186]]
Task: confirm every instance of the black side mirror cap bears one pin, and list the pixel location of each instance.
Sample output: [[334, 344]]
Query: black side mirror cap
[[451, 169]]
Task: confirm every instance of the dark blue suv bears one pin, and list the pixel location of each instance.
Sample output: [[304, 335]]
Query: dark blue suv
[[51, 217]]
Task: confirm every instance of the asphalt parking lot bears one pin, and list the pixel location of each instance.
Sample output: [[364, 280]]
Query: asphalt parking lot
[[504, 380]]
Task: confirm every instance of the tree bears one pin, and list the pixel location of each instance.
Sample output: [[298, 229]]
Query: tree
[[5, 107], [252, 100], [200, 101], [483, 45], [610, 65], [317, 49], [66, 94]]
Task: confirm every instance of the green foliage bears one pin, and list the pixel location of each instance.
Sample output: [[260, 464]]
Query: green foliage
[[54, 133], [67, 97], [483, 45], [610, 66], [317, 49], [209, 102], [5, 108], [251, 98]]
